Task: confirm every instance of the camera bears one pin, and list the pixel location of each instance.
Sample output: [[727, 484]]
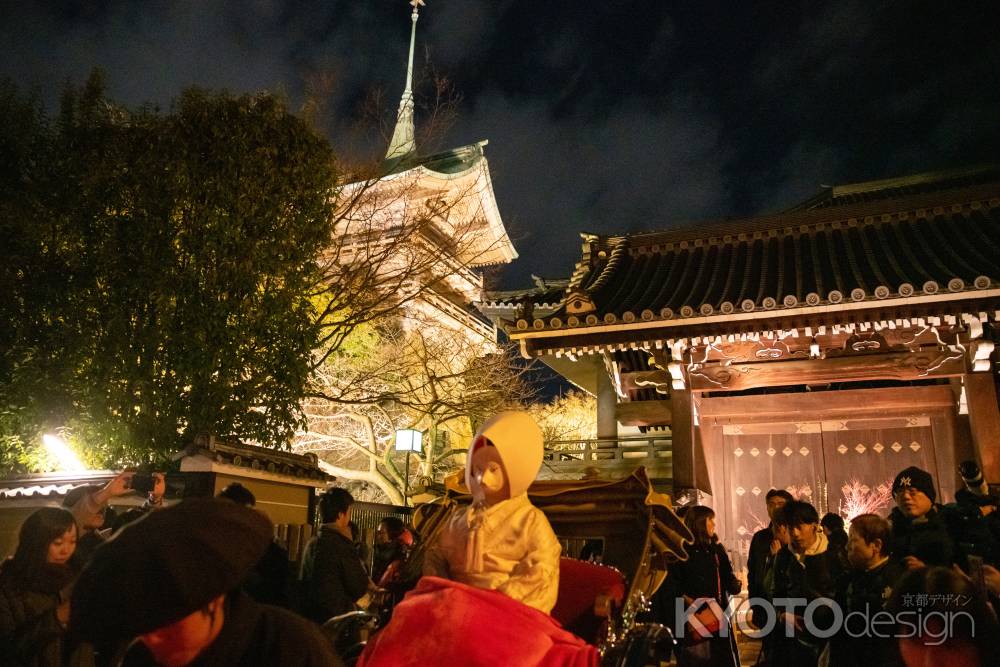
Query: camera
[[143, 483], [973, 478]]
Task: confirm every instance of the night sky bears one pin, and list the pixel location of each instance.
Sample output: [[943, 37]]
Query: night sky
[[601, 116]]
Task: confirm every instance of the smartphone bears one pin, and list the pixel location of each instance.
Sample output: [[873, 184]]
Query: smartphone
[[977, 576]]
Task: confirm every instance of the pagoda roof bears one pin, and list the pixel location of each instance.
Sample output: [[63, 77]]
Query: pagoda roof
[[465, 173], [545, 298], [451, 161], [927, 235]]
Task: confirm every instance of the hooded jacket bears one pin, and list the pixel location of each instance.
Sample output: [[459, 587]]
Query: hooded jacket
[[509, 546]]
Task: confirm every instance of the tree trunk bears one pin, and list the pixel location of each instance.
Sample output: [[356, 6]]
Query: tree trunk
[[371, 476]]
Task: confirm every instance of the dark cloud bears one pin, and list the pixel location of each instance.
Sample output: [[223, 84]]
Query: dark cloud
[[635, 168], [603, 117]]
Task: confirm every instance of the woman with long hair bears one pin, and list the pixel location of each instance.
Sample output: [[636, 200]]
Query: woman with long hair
[[34, 593], [705, 581]]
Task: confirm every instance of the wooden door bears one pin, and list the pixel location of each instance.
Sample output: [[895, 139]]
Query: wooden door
[[757, 458], [863, 456]]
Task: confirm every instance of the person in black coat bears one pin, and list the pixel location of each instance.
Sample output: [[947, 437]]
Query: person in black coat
[[920, 536], [764, 546], [34, 585], [812, 573], [94, 518], [268, 581], [333, 578], [864, 592], [776, 567], [707, 575]]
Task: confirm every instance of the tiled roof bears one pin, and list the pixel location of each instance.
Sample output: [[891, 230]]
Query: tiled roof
[[36, 491], [540, 301], [545, 293], [893, 188], [945, 241], [49, 485], [263, 459]]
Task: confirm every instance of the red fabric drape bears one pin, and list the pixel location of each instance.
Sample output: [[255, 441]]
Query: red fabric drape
[[443, 622]]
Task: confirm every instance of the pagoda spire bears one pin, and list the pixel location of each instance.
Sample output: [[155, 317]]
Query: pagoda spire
[[403, 144]]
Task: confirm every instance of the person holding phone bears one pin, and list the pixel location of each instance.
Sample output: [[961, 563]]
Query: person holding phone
[[89, 506], [154, 487]]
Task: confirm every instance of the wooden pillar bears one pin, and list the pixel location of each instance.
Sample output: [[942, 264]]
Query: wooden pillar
[[710, 447], [607, 403], [949, 450], [984, 422], [683, 442]]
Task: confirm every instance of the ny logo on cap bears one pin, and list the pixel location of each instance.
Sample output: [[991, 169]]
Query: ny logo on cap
[[905, 481]]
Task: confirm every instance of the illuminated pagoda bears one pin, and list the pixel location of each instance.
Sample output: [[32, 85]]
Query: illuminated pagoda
[[452, 191]]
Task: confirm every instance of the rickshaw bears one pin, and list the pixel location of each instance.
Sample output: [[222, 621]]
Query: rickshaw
[[600, 603]]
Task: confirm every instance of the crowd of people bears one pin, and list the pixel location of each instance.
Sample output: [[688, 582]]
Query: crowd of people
[[201, 583], [205, 583], [917, 588]]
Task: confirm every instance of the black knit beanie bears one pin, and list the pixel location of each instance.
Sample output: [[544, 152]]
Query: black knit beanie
[[920, 480]]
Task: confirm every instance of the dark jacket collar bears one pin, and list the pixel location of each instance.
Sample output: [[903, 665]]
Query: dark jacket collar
[[328, 531], [904, 523]]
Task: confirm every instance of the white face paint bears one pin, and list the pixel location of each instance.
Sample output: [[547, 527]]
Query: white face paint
[[489, 479], [492, 478]]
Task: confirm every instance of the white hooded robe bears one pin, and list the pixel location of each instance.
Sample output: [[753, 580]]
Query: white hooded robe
[[510, 546]]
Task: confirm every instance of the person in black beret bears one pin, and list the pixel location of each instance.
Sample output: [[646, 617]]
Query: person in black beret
[[168, 584], [920, 536]]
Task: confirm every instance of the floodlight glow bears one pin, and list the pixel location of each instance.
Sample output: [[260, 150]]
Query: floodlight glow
[[60, 451], [409, 440]]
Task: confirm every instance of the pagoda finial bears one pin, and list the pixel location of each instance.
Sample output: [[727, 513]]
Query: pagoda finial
[[402, 143]]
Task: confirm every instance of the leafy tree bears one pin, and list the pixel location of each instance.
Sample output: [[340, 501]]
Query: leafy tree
[[162, 270]]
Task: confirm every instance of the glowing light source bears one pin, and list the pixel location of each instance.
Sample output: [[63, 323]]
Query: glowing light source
[[61, 452], [409, 440]]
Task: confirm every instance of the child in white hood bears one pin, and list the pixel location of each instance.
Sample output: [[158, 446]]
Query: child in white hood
[[501, 542]]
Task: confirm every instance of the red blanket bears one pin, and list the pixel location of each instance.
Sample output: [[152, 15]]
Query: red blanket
[[443, 622]]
